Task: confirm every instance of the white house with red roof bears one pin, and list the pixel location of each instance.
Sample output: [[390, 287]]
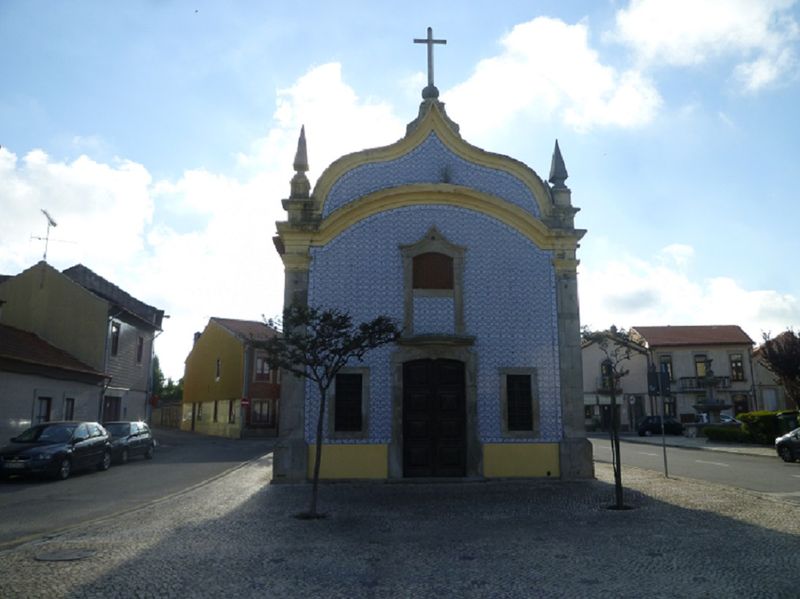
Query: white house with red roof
[[707, 363], [40, 382]]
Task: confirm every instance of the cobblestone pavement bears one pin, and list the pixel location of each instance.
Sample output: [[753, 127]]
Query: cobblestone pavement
[[236, 537]]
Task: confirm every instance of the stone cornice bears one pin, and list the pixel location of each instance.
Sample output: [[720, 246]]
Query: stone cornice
[[296, 238]]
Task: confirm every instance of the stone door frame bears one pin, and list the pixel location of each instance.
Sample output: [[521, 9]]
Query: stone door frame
[[436, 348]]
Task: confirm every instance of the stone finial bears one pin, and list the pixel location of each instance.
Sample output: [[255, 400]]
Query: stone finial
[[558, 170], [301, 157], [301, 188]]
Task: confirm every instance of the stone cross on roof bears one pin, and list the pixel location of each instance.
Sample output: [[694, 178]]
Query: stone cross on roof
[[430, 91]]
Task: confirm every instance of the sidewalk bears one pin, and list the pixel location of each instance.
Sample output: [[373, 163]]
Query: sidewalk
[[694, 443]]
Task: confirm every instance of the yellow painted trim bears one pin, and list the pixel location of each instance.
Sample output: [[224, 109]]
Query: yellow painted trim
[[434, 121], [299, 240], [503, 460], [351, 461]]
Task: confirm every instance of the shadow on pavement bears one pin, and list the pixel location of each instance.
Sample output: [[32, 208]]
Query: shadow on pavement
[[495, 539]]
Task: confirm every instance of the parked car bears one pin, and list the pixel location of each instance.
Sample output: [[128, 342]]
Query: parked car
[[788, 446], [130, 439], [651, 425], [57, 449], [724, 420]]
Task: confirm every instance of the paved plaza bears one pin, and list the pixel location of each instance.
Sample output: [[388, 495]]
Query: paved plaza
[[236, 537]]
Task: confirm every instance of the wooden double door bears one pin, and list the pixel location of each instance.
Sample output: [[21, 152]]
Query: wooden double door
[[434, 418]]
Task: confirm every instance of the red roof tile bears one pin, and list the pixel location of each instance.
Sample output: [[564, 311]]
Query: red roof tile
[[246, 329], [22, 346], [694, 335]]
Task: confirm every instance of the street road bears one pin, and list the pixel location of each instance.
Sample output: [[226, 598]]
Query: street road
[[763, 474], [32, 507]]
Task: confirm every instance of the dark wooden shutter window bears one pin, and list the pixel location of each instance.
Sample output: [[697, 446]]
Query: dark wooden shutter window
[[69, 408], [520, 407], [433, 271], [347, 412]]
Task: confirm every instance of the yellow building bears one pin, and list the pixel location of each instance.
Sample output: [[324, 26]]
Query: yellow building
[[228, 387]]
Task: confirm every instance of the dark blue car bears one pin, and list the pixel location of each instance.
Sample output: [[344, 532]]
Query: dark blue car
[[56, 449], [130, 439], [652, 426]]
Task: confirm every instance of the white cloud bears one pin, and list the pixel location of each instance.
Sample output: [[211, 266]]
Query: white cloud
[[629, 291], [679, 254], [230, 262], [101, 209], [547, 68], [759, 34], [196, 246], [336, 121]]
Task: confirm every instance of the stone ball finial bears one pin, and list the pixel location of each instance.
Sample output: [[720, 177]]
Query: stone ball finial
[[430, 92]]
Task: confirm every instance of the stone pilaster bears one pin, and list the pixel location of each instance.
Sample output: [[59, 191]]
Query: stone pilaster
[[575, 449], [291, 452], [292, 242]]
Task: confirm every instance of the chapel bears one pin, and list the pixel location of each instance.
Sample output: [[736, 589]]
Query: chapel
[[474, 255]]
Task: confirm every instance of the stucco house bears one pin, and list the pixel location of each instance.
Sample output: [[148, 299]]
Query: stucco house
[[228, 387], [631, 390], [705, 363], [40, 383], [97, 323]]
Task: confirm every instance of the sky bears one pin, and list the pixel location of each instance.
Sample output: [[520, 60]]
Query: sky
[[160, 136]]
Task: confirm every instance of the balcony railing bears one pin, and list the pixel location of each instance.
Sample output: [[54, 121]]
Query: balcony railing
[[701, 383], [602, 386]]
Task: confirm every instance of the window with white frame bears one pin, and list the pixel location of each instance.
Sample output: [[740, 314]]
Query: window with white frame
[[737, 367], [262, 370]]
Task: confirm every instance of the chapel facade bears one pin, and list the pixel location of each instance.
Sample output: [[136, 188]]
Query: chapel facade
[[474, 255]]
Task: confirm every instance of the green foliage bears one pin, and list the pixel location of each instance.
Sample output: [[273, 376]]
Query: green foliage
[[762, 426], [172, 392], [727, 433], [781, 356], [158, 376], [167, 391]]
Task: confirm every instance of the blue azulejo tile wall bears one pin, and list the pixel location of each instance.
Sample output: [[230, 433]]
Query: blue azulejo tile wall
[[429, 162], [509, 307]]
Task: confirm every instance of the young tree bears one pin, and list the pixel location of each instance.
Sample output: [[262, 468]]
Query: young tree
[[617, 346], [781, 356], [316, 344], [158, 377], [172, 392]]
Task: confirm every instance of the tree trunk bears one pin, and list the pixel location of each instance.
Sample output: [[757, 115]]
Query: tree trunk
[[312, 510], [615, 451]]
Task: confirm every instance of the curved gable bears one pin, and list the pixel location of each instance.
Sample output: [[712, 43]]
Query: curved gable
[[432, 153]]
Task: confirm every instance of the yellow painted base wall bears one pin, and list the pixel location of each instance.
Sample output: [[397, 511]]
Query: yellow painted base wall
[[350, 461], [501, 460]]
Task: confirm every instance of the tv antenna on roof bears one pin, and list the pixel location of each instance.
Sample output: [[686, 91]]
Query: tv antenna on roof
[[50, 223]]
